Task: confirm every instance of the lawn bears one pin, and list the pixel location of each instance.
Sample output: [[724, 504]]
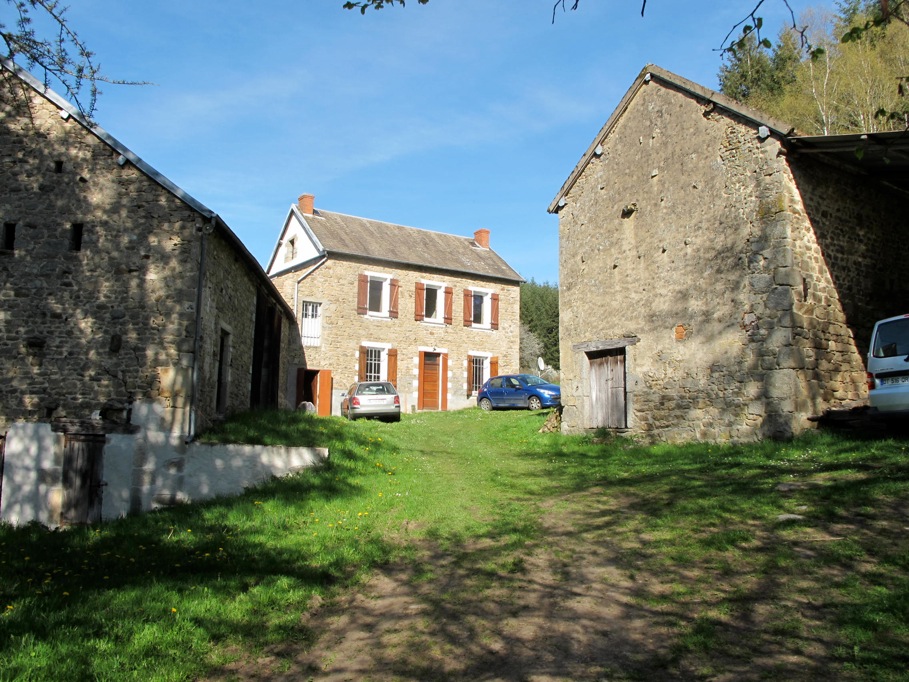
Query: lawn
[[794, 554]]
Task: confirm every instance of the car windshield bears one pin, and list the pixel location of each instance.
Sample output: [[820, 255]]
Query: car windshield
[[532, 380], [379, 388], [892, 339]]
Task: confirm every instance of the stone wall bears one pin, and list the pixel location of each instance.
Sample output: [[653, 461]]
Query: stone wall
[[100, 283], [689, 233], [334, 285]]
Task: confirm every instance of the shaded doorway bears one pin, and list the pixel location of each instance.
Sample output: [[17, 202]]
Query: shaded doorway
[[82, 484], [314, 386]]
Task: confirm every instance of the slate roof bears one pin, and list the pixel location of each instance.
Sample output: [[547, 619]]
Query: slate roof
[[346, 235]]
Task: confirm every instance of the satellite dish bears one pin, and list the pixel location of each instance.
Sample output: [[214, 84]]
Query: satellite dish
[[541, 364]]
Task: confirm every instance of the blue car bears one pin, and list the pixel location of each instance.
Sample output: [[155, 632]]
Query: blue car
[[518, 390]]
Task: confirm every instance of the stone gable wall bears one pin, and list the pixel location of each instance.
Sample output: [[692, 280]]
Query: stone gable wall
[[88, 332], [334, 284], [689, 234]]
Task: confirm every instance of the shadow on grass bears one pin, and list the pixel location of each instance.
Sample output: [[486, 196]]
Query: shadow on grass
[[81, 602], [689, 562]]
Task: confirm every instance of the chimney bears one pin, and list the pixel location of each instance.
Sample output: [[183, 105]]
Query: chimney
[[481, 238], [307, 203]]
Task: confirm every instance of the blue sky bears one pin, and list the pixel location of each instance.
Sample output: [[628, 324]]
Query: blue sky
[[451, 116]]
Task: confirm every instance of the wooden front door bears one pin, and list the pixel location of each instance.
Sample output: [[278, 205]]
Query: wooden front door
[[607, 389], [433, 382], [82, 484]]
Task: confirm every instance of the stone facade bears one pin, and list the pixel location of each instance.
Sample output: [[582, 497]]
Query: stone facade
[[344, 331], [736, 283], [321, 264], [126, 306]]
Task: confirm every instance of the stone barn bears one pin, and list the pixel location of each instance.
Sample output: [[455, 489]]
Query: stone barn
[[132, 317], [719, 274]]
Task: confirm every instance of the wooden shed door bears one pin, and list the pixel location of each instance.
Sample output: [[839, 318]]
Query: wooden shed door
[[82, 484], [607, 389]]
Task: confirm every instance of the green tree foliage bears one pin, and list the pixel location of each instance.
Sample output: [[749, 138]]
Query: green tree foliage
[[854, 82], [540, 315]]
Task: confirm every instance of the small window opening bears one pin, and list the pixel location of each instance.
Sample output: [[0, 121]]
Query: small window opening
[[8, 241], [58, 166], [75, 237]]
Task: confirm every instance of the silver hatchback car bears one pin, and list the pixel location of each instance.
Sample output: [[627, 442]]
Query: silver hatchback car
[[371, 399]]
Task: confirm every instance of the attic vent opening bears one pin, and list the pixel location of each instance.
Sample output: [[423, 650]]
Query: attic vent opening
[[75, 237]]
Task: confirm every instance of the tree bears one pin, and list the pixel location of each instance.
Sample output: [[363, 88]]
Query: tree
[[57, 53], [540, 314]]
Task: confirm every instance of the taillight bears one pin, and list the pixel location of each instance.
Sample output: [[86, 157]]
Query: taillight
[[397, 401], [355, 401], [870, 381]]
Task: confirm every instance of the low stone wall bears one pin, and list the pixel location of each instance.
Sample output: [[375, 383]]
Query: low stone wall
[[141, 472]]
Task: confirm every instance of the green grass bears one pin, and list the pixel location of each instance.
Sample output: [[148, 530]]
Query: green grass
[[173, 594]]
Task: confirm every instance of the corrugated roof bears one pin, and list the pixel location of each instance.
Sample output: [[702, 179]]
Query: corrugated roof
[[376, 240]]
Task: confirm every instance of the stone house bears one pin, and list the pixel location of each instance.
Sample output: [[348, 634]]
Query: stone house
[[131, 317], [436, 314], [720, 275]]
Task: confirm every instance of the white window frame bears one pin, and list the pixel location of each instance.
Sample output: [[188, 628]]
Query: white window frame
[[383, 349], [439, 288], [311, 326], [486, 313], [386, 294], [486, 358]]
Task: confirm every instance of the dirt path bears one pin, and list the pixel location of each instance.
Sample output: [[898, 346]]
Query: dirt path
[[569, 609]]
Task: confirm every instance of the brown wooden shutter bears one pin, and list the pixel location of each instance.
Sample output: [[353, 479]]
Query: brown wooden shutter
[[449, 304], [469, 375], [468, 307], [362, 294], [443, 381], [361, 376], [393, 366], [420, 380], [393, 299], [323, 405], [493, 367], [419, 312], [494, 317]]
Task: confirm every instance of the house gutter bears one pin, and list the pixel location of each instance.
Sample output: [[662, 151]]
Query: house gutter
[[197, 341]]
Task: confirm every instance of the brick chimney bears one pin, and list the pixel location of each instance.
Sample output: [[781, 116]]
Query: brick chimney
[[307, 203], [481, 238]]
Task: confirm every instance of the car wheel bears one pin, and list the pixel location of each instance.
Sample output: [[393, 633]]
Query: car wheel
[[486, 404], [534, 403]]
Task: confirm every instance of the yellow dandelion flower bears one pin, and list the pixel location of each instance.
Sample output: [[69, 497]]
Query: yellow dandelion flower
[[173, 610]]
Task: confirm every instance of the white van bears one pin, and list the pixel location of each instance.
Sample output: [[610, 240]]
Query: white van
[[888, 367]]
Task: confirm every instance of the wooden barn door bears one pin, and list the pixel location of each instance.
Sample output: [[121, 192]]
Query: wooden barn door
[[607, 389], [82, 484]]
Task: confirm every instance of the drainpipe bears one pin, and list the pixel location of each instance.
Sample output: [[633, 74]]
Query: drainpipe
[[197, 341], [302, 277]]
